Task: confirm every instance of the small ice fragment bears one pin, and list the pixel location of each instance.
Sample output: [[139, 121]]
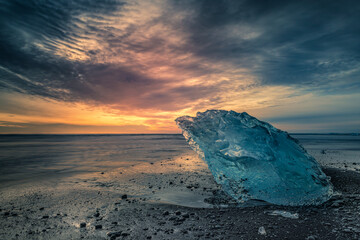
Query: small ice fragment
[[262, 231], [284, 214]]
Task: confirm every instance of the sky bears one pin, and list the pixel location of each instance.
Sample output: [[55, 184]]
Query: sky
[[113, 66]]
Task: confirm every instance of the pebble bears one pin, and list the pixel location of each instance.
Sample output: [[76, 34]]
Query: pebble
[[262, 231]]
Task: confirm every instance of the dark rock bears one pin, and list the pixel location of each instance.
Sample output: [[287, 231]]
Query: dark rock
[[181, 219], [114, 234], [98, 226], [82, 225], [335, 205], [124, 196]]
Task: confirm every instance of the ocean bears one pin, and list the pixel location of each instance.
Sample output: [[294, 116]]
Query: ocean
[[28, 157]]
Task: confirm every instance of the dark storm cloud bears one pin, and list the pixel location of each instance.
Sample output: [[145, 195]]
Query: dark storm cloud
[[283, 42], [299, 43], [25, 68]]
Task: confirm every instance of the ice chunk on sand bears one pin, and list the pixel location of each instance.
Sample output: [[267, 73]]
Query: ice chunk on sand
[[284, 214], [262, 231], [252, 159]]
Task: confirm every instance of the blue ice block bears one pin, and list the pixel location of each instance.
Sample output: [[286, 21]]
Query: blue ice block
[[252, 159]]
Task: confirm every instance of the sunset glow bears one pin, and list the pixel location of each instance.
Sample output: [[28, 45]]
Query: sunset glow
[[134, 67]]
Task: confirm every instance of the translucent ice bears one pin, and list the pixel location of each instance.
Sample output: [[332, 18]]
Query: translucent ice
[[262, 231], [284, 214], [252, 159]]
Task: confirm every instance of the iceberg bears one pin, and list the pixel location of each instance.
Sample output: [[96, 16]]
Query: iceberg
[[253, 160]]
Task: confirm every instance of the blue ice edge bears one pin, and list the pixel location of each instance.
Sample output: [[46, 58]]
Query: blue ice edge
[[253, 160]]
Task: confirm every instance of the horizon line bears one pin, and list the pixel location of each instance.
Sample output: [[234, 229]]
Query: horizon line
[[308, 133]]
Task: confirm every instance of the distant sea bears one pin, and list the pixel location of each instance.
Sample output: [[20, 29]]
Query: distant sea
[[25, 157]]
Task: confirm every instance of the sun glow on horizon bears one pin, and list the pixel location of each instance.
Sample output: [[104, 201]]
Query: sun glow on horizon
[[40, 115]]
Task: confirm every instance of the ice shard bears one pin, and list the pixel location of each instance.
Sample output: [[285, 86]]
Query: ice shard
[[252, 159]]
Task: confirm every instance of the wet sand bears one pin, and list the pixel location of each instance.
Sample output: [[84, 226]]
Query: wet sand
[[170, 199]]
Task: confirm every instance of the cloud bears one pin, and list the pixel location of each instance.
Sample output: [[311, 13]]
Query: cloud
[[282, 42], [179, 56], [56, 128]]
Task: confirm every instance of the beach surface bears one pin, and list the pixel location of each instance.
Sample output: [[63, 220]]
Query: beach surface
[[164, 192]]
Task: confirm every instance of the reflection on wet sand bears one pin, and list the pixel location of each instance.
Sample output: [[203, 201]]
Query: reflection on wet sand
[[184, 180]]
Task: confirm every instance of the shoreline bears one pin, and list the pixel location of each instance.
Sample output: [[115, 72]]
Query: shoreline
[[142, 202]]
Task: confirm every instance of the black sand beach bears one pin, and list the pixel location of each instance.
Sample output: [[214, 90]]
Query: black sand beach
[[170, 199]]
